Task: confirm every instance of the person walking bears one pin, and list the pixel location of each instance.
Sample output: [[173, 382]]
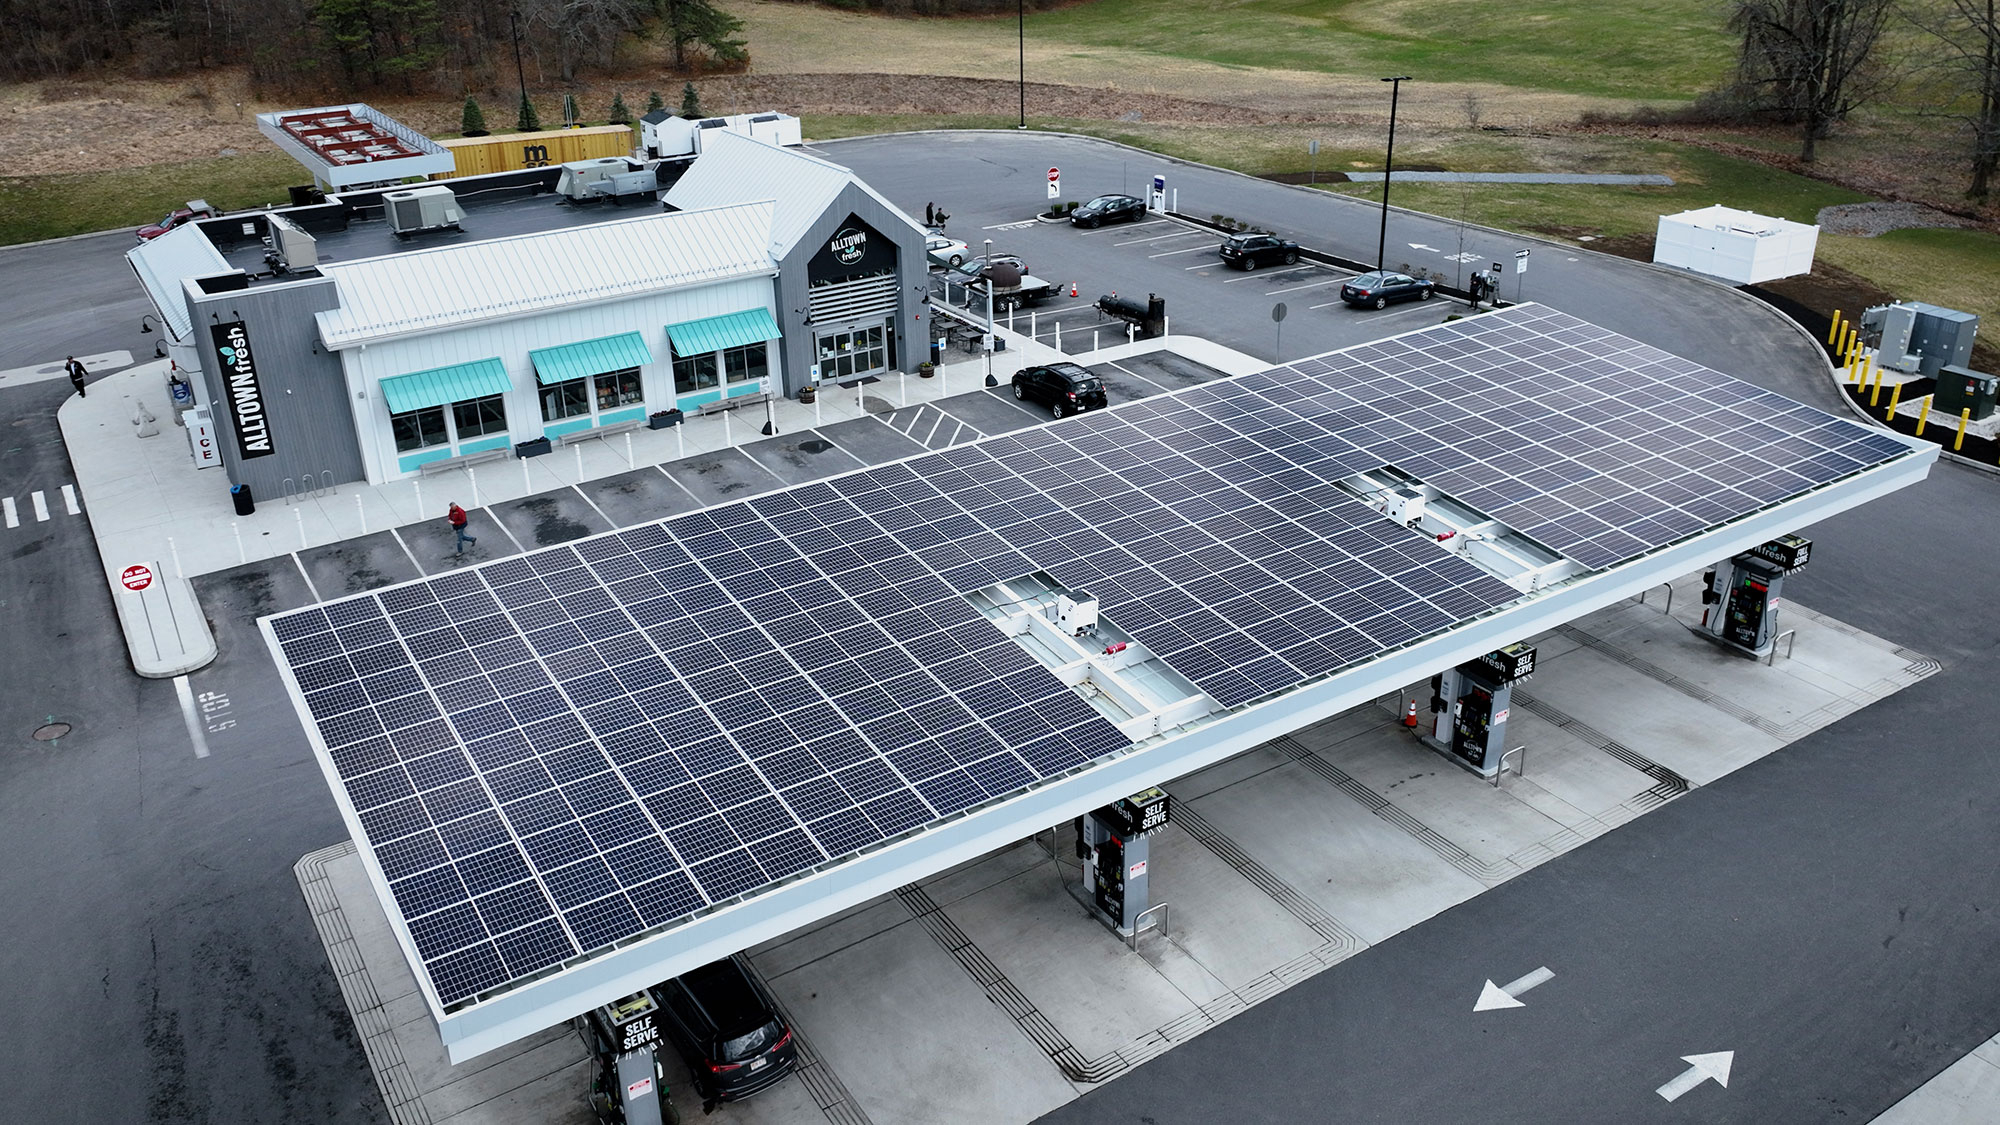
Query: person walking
[[76, 374], [455, 515]]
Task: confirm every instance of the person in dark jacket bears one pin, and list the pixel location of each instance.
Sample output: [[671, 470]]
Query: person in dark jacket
[[76, 374]]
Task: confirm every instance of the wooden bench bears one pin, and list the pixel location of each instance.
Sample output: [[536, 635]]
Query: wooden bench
[[722, 404], [447, 464], [574, 436]]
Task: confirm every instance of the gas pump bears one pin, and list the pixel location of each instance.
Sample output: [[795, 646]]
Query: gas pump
[[1112, 842], [629, 1087], [1741, 598], [1471, 704]]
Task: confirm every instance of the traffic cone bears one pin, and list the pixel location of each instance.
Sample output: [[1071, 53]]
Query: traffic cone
[[1072, 288], [1410, 719]]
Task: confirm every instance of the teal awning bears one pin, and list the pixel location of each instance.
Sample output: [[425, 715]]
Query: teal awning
[[591, 357], [441, 385], [731, 330]]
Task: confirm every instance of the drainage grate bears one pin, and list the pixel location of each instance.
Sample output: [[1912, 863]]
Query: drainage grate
[[50, 731]]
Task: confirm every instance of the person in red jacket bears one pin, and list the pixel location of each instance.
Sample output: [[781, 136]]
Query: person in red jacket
[[456, 516]]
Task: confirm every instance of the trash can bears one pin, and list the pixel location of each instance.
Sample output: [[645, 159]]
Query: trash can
[[239, 495], [937, 351]]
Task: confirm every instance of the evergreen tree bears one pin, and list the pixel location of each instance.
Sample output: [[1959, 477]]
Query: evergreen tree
[[690, 103], [528, 121], [655, 102], [619, 114], [472, 122], [699, 23]]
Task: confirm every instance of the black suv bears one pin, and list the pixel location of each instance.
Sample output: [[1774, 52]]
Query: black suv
[[1064, 388], [1108, 209], [1248, 251], [728, 1029]]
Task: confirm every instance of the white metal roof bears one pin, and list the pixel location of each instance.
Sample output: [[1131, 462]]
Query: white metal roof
[[733, 168], [1719, 217], [163, 263], [429, 290]]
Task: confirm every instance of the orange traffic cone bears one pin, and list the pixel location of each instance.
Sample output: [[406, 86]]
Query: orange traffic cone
[[1410, 719], [1072, 288]]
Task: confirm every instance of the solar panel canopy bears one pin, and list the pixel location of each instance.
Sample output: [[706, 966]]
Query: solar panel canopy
[[553, 754]]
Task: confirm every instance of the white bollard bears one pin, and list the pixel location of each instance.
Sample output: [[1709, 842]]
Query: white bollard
[[578, 450], [858, 403], [680, 439], [362, 512], [1010, 318], [241, 557], [1129, 330], [904, 393], [728, 431], [628, 451], [816, 409], [1031, 323], [1166, 325], [176, 552], [472, 475], [1058, 325], [527, 484], [299, 515], [1093, 338], [418, 484]]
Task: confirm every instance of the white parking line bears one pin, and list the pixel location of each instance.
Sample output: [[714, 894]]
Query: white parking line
[[1171, 253], [1156, 238], [13, 517], [934, 429], [41, 506], [1254, 275], [1296, 288], [69, 500]]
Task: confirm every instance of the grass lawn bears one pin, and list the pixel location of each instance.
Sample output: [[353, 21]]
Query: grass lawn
[[1958, 269], [35, 208]]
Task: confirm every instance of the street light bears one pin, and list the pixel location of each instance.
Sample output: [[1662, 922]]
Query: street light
[[1389, 165], [514, 26], [1021, 24]]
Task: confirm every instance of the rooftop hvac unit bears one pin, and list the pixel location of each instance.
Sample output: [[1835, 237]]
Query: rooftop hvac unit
[[420, 209], [292, 249], [590, 179]]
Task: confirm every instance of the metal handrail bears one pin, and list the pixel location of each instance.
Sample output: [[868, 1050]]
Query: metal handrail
[[1520, 752], [1139, 923], [1670, 596], [1790, 637]]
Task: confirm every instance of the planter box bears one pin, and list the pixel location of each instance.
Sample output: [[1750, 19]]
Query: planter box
[[663, 419], [533, 448]]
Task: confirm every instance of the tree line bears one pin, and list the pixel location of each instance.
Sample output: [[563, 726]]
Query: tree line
[[355, 46]]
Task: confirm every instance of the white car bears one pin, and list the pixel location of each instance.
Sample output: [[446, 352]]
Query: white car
[[947, 252]]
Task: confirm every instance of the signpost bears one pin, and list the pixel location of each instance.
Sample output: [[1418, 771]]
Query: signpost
[[1055, 183], [1278, 312], [1520, 267]]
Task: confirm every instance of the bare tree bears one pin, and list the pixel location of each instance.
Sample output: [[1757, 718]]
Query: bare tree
[[1967, 57], [1810, 62]]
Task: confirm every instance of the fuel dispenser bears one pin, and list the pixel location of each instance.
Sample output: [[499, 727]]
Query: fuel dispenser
[[1740, 603], [1470, 705], [630, 1085], [1112, 842]]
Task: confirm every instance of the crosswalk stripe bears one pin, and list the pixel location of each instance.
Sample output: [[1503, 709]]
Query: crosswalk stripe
[[69, 500], [13, 517], [41, 506]]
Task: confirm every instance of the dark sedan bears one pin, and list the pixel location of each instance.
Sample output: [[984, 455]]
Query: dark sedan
[[1065, 388], [1248, 251], [1108, 209], [1377, 288]]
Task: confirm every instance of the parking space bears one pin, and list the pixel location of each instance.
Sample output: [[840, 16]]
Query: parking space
[[799, 458], [353, 565], [638, 496], [724, 475], [930, 427], [543, 520]]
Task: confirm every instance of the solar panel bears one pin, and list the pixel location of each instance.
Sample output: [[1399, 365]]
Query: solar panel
[[551, 753]]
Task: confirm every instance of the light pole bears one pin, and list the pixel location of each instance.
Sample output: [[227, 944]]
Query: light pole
[[514, 26], [1021, 24], [1388, 165]]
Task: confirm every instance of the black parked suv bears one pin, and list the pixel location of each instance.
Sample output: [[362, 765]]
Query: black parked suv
[[1248, 251], [1064, 388], [728, 1029], [1108, 209]]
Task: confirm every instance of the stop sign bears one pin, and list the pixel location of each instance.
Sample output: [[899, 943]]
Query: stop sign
[[1054, 175], [136, 577]]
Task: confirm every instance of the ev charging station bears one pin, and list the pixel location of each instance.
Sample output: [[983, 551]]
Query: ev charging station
[[1741, 598], [1470, 705], [1112, 842], [630, 1086]]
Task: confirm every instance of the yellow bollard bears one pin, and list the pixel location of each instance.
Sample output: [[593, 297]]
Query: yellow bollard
[[1964, 418], [1851, 372], [1895, 396], [1853, 336], [1868, 368], [1833, 333], [1924, 415], [1875, 394]]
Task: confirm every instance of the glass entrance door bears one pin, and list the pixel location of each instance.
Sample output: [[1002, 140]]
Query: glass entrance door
[[848, 354]]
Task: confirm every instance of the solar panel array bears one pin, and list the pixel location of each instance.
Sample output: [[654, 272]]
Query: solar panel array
[[556, 752]]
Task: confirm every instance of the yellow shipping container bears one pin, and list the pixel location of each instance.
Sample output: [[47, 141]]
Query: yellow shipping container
[[476, 156]]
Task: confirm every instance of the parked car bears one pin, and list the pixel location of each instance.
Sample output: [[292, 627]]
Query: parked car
[[1248, 251], [1379, 287], [1108, 209], [1065, 388], [729, 1031], [196, 209], [946, 251]]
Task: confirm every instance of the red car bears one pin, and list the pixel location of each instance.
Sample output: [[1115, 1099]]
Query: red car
[[196, 209]]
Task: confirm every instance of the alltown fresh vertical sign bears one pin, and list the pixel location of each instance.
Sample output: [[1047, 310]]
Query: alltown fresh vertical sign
[[247, 415]]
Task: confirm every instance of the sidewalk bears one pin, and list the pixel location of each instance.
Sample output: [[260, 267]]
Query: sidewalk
[[150, 507]]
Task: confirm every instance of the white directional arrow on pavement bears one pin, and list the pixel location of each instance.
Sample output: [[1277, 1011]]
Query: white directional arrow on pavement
[[1494, 996], [1421, 246], [1700, 1069]]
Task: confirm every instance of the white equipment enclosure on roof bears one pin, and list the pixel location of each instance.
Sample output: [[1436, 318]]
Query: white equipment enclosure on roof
[[1738, 246]]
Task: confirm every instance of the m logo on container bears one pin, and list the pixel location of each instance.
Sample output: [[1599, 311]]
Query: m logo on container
[[240, 387], [534, 156], [849, 245]]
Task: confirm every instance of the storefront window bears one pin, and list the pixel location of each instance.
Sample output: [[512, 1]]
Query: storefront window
[[566, 400], [480, 416], [746, 364], [694, 373], [419, 429], [618, 388]]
